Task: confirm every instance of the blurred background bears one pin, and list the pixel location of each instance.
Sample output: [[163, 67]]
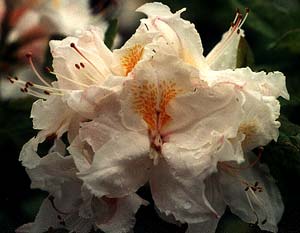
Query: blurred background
[[273, 43]]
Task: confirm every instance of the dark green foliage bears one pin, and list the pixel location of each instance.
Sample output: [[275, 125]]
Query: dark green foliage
[[111, 33]]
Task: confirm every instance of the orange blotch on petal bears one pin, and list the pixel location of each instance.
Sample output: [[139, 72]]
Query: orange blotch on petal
[[131, 58], [151, 100]]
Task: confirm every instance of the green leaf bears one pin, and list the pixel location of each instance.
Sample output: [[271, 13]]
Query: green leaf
[[111, 33], [245, 55], [290, 41]]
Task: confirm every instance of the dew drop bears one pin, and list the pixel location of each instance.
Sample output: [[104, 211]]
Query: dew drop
[[187, 205]]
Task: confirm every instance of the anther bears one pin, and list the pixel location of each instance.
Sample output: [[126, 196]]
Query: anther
[[264, 222], [77, 66], [247, 188], [247, 9], [29, 55], [46, 92], [82, 65], [48, 69], [147, 27], [10, 80]]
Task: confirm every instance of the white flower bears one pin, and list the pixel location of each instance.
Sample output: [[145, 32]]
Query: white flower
[[69, 205], [158, 111], [171, 133]]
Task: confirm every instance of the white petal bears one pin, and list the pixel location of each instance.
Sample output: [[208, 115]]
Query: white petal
[[52, 172], [267, 204], [148, 83], [123, 218], [51, 115], [266, 84], [214, 195], [197, 115], [28, 155], [224, 55], [119, 167], [179, 33], [93, 63], [260, 124], [177, 182], [87, 102]]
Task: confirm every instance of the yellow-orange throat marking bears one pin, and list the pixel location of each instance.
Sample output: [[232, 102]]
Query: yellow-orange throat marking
[[150, 100], [131, 58]]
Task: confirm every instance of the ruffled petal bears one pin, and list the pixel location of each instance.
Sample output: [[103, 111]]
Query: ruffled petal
[[120, 217], [119, 167], [259, 124], [51, 115], [257, 83], [178, 33], [177, 182], [196, 115], [87, 64], [241, 193]]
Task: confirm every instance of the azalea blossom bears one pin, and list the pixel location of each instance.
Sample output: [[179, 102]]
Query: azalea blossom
[[166, 137], [155, 111], [69, 205]]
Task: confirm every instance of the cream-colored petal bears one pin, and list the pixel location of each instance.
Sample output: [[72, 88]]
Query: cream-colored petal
[[225, 54], [267, 204], [123, 217], [197, 114], [178, 33], [119, 167], [266, 84], [88, 64]]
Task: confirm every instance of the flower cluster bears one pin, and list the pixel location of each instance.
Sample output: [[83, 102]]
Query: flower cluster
[[157, 112]]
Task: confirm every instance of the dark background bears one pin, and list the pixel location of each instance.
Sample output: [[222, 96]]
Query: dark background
[[273, 34]]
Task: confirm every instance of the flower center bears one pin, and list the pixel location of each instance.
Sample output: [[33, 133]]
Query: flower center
[[150, 101]]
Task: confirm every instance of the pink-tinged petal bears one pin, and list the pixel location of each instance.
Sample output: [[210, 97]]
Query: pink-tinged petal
[[85, 60], [52, 172], [253, 195], [260, 125], [182, 198], [197, 114], [120, 166], [107, 124], [257, 83], [50, 216], [87, 102], [225, 54], [213, 193], [52, 116], [179, 33], [177, 182], [120, 214]]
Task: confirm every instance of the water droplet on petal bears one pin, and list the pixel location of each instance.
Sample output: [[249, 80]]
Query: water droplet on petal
[[187, 205]]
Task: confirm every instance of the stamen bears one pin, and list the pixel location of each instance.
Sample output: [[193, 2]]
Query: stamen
[[29, 56], [83, 56], [235, 27], [66, 78]]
